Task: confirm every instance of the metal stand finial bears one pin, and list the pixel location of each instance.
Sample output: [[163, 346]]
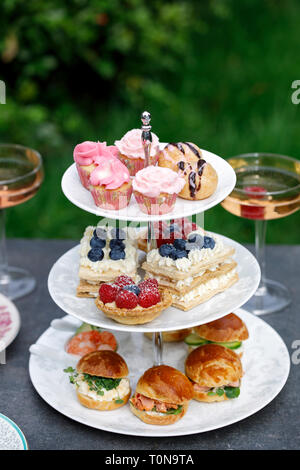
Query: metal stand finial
[[146, 135]]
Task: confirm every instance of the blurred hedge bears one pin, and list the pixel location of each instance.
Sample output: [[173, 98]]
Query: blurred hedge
[[216, 72]]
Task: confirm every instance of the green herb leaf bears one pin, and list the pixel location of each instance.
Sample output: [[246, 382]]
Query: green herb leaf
[[232, 392], [174, 412], [119, 401], [69, 370], [220, 392], [211, 394]]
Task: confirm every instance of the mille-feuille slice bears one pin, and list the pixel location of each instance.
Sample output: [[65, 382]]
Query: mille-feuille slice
[[105, 253]]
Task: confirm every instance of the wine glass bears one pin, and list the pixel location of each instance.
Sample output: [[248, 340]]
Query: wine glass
[[267, 187], [21, 174]]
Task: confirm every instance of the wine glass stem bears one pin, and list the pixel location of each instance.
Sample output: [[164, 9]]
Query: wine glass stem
[[3, 254], [260, 243]]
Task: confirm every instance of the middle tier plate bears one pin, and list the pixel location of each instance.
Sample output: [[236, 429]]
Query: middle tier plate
[[63, 280]]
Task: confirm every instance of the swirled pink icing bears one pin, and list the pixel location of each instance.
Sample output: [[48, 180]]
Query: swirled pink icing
[[89, 152], [111, 173], [131, 144], [153, 180]]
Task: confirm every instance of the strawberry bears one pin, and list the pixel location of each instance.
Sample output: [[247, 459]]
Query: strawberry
[[123, 280], [148, 297], [107, 293], [151, 282], [126, 299]]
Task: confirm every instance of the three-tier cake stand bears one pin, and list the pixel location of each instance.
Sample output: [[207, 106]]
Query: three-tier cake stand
[[135, 348]]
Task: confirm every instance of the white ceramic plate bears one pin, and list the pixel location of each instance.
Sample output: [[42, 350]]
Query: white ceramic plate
[[63, 280], [9, 322], [81, 197], [11, 436], [266, 365]]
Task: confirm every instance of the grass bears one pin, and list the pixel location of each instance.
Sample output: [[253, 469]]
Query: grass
[[234, 96]]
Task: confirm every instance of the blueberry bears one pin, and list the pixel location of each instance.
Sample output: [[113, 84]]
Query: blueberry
[[167, 250], [95, 254], [118, 233], [179, 243], [197, 239], [133, 288], [117, 244], [116, 254], [181, 254], [209, 243], [100, 233], [97, 242]]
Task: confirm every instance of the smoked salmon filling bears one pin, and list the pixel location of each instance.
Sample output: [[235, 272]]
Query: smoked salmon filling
[[143, 403]]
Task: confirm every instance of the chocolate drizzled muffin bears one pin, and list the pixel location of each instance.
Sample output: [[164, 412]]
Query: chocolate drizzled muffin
[[186, 158]]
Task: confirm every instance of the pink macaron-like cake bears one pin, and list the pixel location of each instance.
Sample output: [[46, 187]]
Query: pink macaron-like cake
[[131, 151], [156, 188], [87, 156]]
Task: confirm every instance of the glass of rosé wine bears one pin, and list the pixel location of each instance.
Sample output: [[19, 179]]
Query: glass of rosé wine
[[21, 175], [267, 187]]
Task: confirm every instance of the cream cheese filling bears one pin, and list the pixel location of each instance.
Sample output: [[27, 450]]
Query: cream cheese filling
[[109, 395], [211, 285]]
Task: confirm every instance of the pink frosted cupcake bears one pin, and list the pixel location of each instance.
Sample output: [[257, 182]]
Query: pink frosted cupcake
[[156, 188], [131, 151], [88, 154], [110, 184]]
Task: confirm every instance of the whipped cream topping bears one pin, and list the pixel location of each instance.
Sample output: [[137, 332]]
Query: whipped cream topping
[[131, 144], [153, 180], [211, 285], [89, 152], [126, 266], [194, 256], [111, 173]]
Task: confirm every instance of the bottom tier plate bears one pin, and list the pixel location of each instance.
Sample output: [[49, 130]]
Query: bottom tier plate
[[266, 367]]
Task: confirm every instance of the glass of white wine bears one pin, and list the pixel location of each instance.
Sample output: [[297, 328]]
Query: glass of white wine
[[267, 187], [21, 175]]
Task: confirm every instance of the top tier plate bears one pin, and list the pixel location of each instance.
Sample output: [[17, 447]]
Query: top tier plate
[[82, 198]]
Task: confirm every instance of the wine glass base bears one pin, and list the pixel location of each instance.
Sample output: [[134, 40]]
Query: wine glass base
[[270, 298], [16, 283]]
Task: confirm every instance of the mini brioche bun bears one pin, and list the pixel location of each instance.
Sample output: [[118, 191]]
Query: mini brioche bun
[[172, 336], [166, 384], [212, 365], [89, 402], [225, 329], [157, 418], [104, 363]]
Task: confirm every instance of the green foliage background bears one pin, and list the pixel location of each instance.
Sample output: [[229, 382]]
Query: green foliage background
[[217, 73]]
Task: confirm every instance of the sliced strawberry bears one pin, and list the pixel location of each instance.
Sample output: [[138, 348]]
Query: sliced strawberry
[[108, 292], [126, 299]]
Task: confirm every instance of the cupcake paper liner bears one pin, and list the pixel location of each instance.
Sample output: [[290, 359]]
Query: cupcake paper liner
[[111, 199], [136, 164], [84, 176], [162, 204]]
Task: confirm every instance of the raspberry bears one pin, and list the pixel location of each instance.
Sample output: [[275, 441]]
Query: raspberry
[[151, 282], [123, 280], [107, 293], [126, 299], [149, 297]]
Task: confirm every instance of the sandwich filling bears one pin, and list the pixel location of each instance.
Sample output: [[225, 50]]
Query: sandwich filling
[[150, 405], [99, 388], [193, 340], [231, 390]]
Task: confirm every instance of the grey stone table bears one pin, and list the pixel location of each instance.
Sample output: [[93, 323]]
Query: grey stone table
[[274, 427]]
